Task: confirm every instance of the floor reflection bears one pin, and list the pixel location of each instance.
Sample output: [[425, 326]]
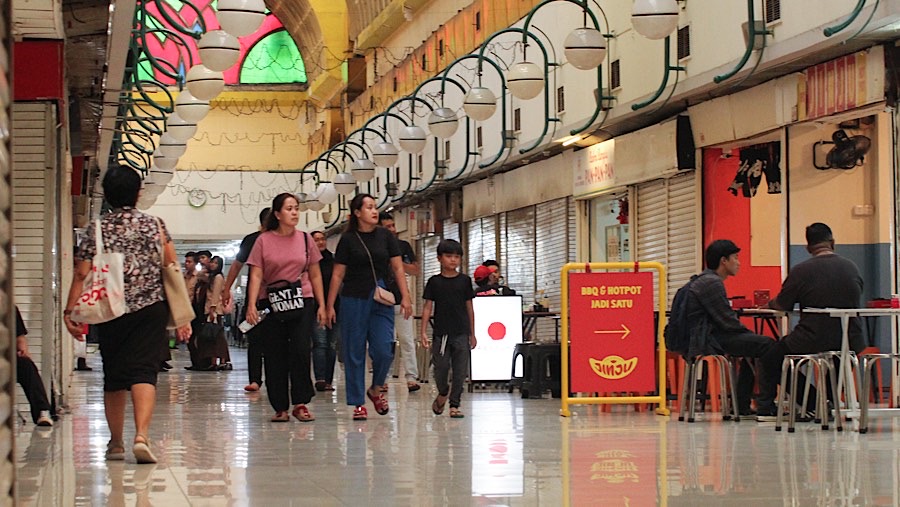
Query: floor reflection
[[217, 447]]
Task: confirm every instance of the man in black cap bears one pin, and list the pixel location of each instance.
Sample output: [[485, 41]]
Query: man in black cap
[[708, 301], [826, 280]]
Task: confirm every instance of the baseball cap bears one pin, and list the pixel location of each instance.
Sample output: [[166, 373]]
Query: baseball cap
[[482, 273]]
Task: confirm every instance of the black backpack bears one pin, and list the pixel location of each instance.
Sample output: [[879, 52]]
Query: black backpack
[[678, 329]]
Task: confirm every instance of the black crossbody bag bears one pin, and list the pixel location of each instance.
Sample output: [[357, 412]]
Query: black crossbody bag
[[285, 297]]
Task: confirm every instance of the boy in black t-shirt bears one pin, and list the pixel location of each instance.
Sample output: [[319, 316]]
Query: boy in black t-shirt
[[450, 293]]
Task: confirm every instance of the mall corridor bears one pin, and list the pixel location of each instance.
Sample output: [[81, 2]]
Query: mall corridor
[[217, 447]]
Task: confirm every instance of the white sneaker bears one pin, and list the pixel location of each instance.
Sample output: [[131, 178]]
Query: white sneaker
[[44, 419]]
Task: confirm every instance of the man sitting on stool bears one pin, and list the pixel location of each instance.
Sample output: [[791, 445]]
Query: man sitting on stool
[[28, 377]]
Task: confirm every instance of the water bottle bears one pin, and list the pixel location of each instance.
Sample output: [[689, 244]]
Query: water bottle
[[246, 326]]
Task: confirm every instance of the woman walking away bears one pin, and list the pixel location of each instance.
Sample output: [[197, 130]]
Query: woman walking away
[[365, 255], [285, 279], [220, 357], [131, 344]]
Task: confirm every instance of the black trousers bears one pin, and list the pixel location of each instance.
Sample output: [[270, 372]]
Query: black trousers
[[287, 346], [28, 377], [451, 352], [255, 356], [749, 345]]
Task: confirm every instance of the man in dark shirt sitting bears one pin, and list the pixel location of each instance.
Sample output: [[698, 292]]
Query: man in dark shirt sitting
[[827, 280], [708, 300]]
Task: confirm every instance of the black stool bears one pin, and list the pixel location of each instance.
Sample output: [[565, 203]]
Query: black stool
[[541, 370], [520, 351]]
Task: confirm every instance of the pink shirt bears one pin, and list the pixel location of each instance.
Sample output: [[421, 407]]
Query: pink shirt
[[283, 258]]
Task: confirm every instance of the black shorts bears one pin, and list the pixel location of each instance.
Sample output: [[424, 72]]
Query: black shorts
[[131, 347]]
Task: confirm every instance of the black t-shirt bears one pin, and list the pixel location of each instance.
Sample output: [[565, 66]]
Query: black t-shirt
[[826, 281], [246, 247], [20, 324], [358, 281], [407, 254], [450, 296]]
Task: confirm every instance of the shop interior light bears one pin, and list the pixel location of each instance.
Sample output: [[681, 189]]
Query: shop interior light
[[443, 122], [191, 108], [480, 103], [384, 154], [654, 19], [219, 50], [525, 80], [412, 139], [585, 48], [203, 83], [241, 17], [362, 169]]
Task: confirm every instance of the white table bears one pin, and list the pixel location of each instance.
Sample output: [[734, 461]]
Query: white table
[[845, 314]]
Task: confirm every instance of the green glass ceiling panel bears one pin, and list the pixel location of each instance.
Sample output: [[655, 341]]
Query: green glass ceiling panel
[[274, 59]]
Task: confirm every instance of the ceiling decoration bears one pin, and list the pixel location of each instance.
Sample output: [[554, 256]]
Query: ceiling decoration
[[300, 20]]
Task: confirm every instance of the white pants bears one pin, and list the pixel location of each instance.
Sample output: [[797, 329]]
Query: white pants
[[406, 338]]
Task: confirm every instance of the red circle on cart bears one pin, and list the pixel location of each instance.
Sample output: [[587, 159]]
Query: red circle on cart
[[497, 331]]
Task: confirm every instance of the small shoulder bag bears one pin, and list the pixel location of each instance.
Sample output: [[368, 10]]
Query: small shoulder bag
[[381, 295], [286, 297]]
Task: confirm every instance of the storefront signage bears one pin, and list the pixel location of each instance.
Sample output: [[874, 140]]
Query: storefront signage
[[842, 84], [611, 332], [594, 169]]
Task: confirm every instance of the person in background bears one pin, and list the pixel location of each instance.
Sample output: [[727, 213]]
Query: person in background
[[197, 281], [203, 257], [366, 255], [29, 378], [325, 339], [130, 345], [450, 295], [403, 328], [219, 355], [488, 280], [282, 253], [826, 280], [254, 347]]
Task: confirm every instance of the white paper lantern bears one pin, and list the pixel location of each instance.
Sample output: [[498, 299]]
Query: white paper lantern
[[384, 154], [301, 201], [480, 103], [412, 139], [585, 48], [179, 128], [525, 80], [443, 122], [241, 17], [326, 193], [171, 147], [344, 183], [219, 50], [191, 108], [654, 19], [362, 169], [203, 83]]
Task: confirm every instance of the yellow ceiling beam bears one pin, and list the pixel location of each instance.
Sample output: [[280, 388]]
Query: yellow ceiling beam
[[386, 23]]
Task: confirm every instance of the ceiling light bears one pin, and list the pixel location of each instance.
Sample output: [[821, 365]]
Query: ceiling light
[[525, 80], [327, 193], [362, 169], [241, 17], [344, 183], [203, 83], [163, 162], [384, 154], [412, 139], [585, 48], [171, 147], [654, 19], [480, 103], [443, 122], [191, 108], [179, 128], [219, 50]]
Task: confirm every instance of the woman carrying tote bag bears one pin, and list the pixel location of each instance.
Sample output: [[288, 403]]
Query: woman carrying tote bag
[[365, 255], [285, 279], [132, 344]]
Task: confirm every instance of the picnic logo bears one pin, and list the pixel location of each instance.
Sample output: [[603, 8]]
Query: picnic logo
[[613, 367]]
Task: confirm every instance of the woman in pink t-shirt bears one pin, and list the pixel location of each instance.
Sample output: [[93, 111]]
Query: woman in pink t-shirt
[[281, 257]]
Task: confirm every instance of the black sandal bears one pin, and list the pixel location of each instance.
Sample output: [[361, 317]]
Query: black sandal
[[438, 407]]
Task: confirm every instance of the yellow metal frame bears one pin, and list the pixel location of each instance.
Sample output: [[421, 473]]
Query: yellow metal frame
[[660, 399]]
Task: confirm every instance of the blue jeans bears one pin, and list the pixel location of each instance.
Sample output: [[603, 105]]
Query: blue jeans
[[363, 321], [324, 352]]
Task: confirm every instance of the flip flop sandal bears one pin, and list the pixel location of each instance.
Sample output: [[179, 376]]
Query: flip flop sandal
[[456, 413], [438, 408], [381, 404]]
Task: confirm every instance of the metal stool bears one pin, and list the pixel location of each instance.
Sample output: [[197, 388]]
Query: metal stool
[[726, 382], [790, 372], [867, 362]]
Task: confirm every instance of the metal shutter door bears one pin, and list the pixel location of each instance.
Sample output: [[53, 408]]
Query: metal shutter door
[[651, 225], [428, 264], [517, 253], [572, 229], [451, 229], [33, 208], [551, 253], [474, 246], [682, 231]]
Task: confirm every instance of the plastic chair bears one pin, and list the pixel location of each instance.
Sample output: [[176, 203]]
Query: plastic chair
[[541, 370]]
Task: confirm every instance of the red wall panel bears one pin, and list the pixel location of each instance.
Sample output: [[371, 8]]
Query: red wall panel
[[37, 70]]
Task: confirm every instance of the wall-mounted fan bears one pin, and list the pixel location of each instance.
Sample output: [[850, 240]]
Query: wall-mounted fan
[[846, 151]]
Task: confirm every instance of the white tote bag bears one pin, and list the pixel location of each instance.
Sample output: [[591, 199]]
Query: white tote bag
[[103, 297]]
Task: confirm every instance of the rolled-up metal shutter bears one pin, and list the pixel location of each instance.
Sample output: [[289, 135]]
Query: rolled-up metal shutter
[[667, 228], [428, 264], [451, 229], [474, 245], [517, 256], [551, 253]]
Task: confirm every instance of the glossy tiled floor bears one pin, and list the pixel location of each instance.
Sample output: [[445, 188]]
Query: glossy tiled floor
[[217, 447]]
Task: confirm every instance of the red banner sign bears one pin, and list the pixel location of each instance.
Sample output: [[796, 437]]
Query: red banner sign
[[612, 346]]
